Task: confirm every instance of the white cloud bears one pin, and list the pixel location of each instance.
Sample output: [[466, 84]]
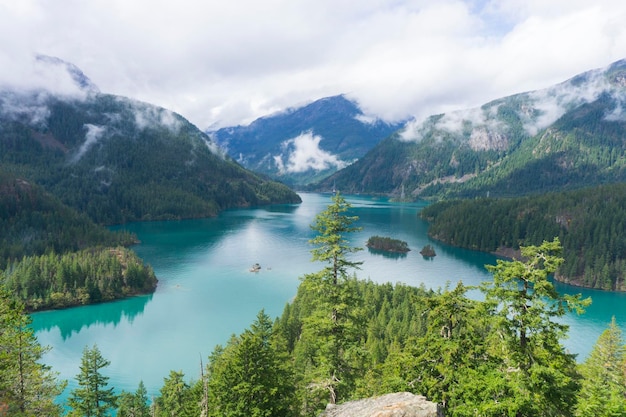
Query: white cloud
[[303, 153], [227, 63], [93, 134]]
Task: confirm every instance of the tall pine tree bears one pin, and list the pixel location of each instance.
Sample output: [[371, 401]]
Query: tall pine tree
[[527, 333], [251, 376], [27, 387], [93, 397], [603, 391], [328, 342]]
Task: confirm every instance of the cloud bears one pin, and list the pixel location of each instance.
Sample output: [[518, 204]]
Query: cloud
[[150, 116], [93, 134], [228, 63], [29, 108], [303, 153]]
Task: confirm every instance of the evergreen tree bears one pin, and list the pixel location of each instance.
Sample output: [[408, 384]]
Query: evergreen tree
[[27, 387], [93, 398], [251, 376], [603, 391], [176, 398], [134, 404], [453, 347], [527, 334], [328, 333]]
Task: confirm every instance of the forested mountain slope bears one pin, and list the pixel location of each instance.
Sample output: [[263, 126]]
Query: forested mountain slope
[[589, 222], [307, 143], [564, 137], [120, 160], [34, 222]]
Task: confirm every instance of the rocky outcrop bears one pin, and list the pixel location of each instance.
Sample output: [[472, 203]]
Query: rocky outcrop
[[400, 404]]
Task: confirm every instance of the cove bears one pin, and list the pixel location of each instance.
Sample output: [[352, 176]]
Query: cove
[[206, 291]]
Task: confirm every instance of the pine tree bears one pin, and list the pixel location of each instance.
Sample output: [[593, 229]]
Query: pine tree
[[93, 398], [134, 404], [327, 334], [27, 387], [176, 398], [527, 334], [251, 376], [603, 391]]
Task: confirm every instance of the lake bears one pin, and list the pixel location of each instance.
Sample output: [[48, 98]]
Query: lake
[[206, 291]]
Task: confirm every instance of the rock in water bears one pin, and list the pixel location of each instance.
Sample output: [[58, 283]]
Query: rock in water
[[400, 404]]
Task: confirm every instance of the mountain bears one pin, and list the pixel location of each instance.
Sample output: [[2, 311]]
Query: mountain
[[305, 144], [34, 222], [118, 159], [567, 136]]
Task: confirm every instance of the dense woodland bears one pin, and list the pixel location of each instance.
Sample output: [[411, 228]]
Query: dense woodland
[[387, 244], [77, 278], [494, 149], [34, 222], [590, 224], [51, 256], [343, 338], [119, 160]]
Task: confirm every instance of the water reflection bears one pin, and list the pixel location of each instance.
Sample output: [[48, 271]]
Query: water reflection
[[73, 320]]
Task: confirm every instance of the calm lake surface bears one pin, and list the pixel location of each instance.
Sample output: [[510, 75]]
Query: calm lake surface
[[207, 293]]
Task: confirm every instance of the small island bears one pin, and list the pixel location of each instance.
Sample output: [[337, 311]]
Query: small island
[[428, 251], [387, 244]]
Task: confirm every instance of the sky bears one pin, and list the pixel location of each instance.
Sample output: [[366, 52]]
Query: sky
[[226, 63]]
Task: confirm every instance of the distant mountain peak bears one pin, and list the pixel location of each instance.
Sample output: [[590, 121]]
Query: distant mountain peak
[[80, 79], [303, 144]]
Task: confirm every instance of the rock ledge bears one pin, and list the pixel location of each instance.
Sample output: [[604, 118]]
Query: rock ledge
[[400, 404]]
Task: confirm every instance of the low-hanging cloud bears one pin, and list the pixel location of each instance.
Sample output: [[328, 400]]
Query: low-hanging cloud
[[93, 134], [227, 63], [303, 153], [30, 108]]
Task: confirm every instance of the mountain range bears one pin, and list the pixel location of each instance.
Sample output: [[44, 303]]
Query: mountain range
[[117, 159], [305, 144], [563, 137]]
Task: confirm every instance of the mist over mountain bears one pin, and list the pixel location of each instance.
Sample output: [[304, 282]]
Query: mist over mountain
[[118, 159], [305, 144], [563, 137]]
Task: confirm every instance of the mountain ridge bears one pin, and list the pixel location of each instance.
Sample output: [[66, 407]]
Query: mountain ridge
[[495, 148], [119, 159], [304, 144]]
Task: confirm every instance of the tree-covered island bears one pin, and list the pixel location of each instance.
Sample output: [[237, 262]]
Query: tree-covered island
[[387, 244]]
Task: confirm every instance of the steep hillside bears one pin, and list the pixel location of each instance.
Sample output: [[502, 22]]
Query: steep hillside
[[121, 160], [589, 222], [305, 144], [33, 222], [566, 136]]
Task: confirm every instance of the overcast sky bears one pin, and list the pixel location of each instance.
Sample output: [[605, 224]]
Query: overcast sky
[[227, 62]]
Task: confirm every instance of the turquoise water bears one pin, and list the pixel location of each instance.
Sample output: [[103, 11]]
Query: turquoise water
[[206, 291]]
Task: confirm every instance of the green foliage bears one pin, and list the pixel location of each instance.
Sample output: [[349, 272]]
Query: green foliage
[[119, 160], [77, 278], [603, 391], [27, 387], [176, 398], [134, 404], [503, 148], [330, 327], [93, 397], [589, 222], [526, 308], [34, 222], [387, 244], [252, 376]]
